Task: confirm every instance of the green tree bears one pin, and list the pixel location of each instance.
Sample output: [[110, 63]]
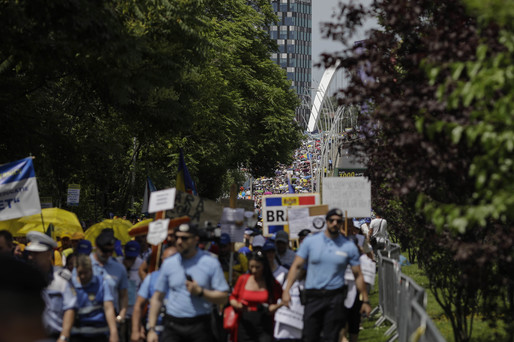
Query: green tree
[[439, 141]]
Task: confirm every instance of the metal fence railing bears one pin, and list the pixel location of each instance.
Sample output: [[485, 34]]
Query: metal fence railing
[[402, 302], [408, 291], [420, 327]]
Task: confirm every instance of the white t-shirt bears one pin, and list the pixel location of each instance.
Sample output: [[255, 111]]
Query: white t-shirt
[[379, 226]]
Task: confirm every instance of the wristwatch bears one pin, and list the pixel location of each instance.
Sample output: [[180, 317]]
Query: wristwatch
[[151, 329], [366, 302], [120, 319], [201, 293], [63, 338]]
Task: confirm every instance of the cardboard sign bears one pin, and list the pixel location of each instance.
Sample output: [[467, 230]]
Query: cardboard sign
[[350, 194], [157, 232], [162, 200], [274, 209]]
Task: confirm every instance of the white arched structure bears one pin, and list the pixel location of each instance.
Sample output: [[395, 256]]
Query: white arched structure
[[320, 96]]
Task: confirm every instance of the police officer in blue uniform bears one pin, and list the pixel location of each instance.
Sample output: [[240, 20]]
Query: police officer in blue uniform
[[192, 280], [96, 318], [327, 255], [112, 271], [59, 295]]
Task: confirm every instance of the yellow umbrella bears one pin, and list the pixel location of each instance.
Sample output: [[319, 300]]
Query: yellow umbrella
[[141, 224], [63, 221], [13, 226], [119, 226]]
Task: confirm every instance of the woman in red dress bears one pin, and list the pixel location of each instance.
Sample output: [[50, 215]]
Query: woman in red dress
[[255, 298]]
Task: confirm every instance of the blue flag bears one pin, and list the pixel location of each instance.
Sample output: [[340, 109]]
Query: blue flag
[[184, 181], [149, 188]]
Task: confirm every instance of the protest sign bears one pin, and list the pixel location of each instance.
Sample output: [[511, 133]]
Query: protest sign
[[157, 231], [274, 209], [350, 194], [73, 198], [309, 217], [162, 200]]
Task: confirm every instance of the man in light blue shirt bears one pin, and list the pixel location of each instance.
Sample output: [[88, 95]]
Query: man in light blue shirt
[[113, 272], [327, 255], [192, 280]]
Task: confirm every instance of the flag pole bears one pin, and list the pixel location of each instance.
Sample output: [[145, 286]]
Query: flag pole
[[42, 221]]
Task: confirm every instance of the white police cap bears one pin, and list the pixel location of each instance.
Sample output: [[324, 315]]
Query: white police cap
[[40, 242]]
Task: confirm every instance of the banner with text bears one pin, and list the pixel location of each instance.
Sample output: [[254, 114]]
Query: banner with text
[[19, 195]]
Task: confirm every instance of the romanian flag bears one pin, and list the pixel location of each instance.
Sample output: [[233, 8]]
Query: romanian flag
[[184, 181]]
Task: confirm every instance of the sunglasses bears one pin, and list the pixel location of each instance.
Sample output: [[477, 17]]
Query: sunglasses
[[107, 251], [183, 238], [339, 221]]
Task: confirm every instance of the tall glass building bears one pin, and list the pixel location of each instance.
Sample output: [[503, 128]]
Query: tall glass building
[[294, 38]]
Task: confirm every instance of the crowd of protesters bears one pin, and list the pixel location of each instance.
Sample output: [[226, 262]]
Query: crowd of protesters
[[103, 291], [96, 296]]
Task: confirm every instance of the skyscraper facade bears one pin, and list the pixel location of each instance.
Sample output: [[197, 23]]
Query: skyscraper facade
[[293, 35]]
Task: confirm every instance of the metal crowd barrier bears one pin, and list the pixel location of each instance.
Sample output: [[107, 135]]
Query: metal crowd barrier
[[402, 302], [409, 291], [420, 327]]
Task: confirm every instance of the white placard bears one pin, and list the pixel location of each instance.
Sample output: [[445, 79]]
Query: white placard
[[298, 220], [236, 232], [236, 216], [157, 232], [292, 316], [350, 194], [162, 200], [368, 268], [73, 194]]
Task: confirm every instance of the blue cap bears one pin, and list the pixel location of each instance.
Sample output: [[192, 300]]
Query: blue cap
[[84, 247], [245, 250], [132, 249], [367, 219], [224, 239], [268, 246]]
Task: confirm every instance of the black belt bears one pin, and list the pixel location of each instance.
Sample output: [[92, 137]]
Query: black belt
[[187, 320], [324, 293]]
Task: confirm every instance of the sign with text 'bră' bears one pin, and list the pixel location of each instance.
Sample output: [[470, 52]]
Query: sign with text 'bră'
[[274, 209]]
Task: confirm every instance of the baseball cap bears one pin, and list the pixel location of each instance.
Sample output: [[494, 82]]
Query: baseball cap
[[282, 236], [40, 242], [334, 212], [132, 249], [66, 235], [188, 228], [106, 237], [84, 247], [224, 239], [304, 232], [245, 250], [77, 236], [258, 241], [268, 246]]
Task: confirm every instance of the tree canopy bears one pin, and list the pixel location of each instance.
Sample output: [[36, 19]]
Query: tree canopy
[[105, 93], [439, 141]]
